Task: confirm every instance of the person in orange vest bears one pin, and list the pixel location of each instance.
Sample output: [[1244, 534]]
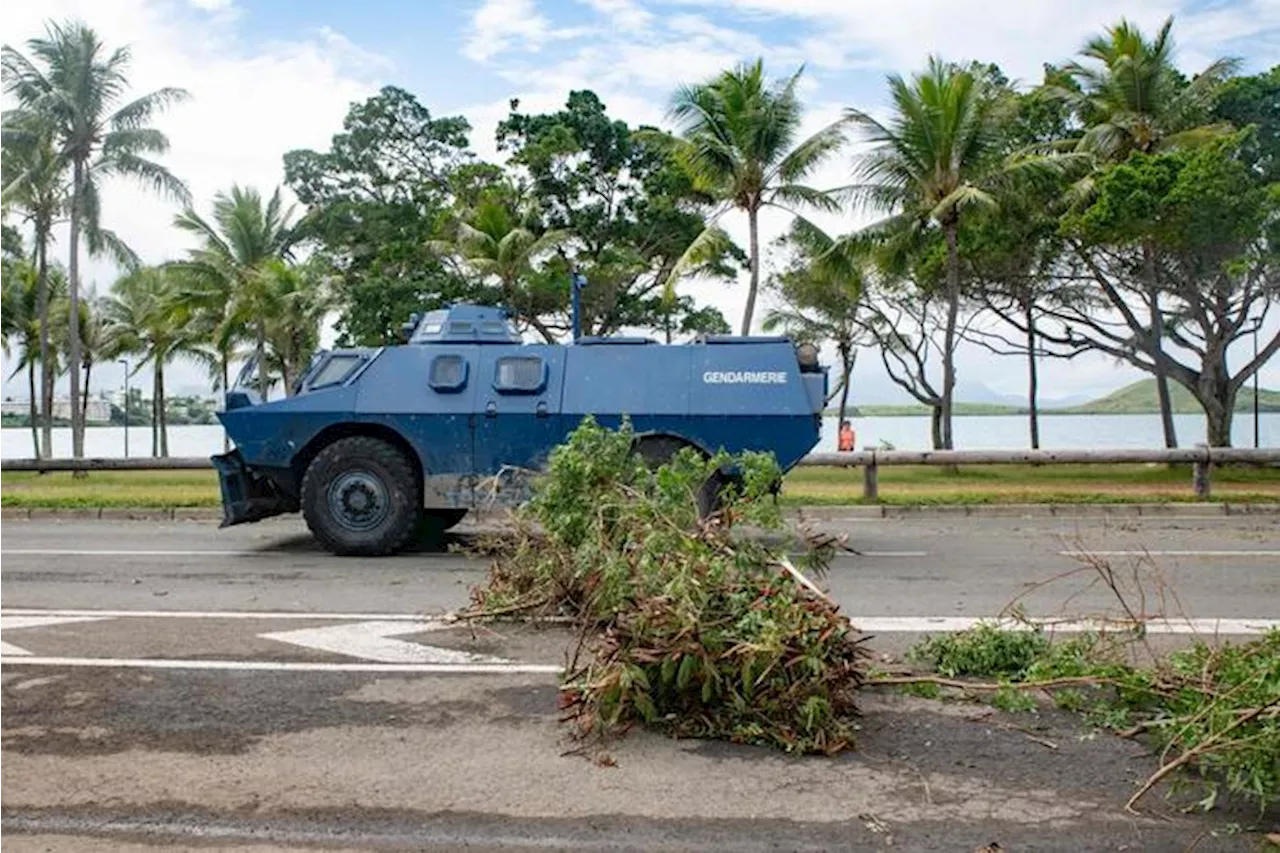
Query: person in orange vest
[[846, 437]]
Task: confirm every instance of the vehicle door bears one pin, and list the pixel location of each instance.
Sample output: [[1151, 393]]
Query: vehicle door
[[518, 402]]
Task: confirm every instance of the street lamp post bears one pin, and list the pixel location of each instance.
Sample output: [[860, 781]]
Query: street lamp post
[[125, 362]]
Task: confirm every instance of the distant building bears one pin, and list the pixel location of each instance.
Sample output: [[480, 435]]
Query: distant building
[[99, 411]]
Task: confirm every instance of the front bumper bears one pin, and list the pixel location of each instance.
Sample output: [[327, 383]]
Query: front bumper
[[247, 495]]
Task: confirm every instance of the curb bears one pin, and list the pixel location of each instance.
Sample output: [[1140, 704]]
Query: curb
[[811, 513], [111, 513], [1064, 510]]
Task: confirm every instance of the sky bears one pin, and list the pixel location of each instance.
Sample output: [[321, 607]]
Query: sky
[[268, 76]]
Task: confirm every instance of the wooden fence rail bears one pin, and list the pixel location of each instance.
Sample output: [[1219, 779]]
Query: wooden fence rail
[[1201, 457]]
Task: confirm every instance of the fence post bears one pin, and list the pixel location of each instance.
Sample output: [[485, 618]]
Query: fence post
[[1200, 473], [871, 478]]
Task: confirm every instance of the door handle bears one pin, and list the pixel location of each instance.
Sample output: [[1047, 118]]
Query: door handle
[[491, 409], [541, 410]]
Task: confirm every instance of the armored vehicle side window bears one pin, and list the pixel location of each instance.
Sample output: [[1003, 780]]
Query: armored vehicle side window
[[336, 369], [520, 375], [448, 372]]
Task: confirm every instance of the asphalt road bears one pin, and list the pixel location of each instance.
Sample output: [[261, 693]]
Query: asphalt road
[[174, 683]]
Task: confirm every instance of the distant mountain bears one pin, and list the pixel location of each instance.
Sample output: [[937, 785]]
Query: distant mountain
[[1140, 398]]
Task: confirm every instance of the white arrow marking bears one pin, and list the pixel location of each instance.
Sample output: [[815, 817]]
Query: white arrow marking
[[373, 641], [10, 623]]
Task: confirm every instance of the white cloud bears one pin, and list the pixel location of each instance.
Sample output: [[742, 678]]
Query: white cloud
[[500, 25], [624, 14]]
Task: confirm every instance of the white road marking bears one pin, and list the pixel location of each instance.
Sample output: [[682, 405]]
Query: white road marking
[[893, 554], [97, 552], [217, 614], [1171, 553], [12, 623], [289, 666], [927, 624], [373, 641]]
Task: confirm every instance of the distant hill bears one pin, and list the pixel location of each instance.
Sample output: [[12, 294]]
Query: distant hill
[[890, 410], [1140, 398]]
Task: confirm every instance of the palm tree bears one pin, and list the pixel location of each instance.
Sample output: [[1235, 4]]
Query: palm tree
[[298, 304], [223, 273], [821, 297], [1133, 99], [938, 154], [148, 314], [96, 344], [35, 182], [737, 140], [21, 327], [494, 241], [74, 92]]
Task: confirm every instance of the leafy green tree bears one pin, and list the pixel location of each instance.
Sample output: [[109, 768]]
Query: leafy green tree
[[1010, 251], [73, 90], [149, 315], [628, 210], [1255, 102], [821, 291], [222, 274], [373, 202], [737, 142], [1216, 229], [939, 154], [36, 183]]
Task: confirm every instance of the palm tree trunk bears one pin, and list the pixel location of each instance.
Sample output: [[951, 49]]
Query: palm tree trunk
[[949, 335], [45, 448], [31, 386], [1033, 379], [155, 417], [226, 371], [262, 359], [73, 331], [164, 405], [84, 405], [753, 223]]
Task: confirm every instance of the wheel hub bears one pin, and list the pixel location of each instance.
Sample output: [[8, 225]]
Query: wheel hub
[[358, 500]]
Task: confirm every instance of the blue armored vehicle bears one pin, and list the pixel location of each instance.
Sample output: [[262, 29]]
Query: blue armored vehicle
[[377, 442]]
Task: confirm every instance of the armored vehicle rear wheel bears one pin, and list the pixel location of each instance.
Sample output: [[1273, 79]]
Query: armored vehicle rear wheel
[[437, 521], [360, 496]]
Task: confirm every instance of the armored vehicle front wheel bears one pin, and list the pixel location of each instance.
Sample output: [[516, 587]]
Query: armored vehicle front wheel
[[360, 496]]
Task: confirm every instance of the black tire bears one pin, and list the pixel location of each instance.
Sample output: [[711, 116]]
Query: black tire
[[657, 450], [447, 518], [711, 496], [436, 521], [361, 497]]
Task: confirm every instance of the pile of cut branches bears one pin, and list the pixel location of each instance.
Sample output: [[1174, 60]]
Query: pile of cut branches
[[683, 625], [1210, 708]]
